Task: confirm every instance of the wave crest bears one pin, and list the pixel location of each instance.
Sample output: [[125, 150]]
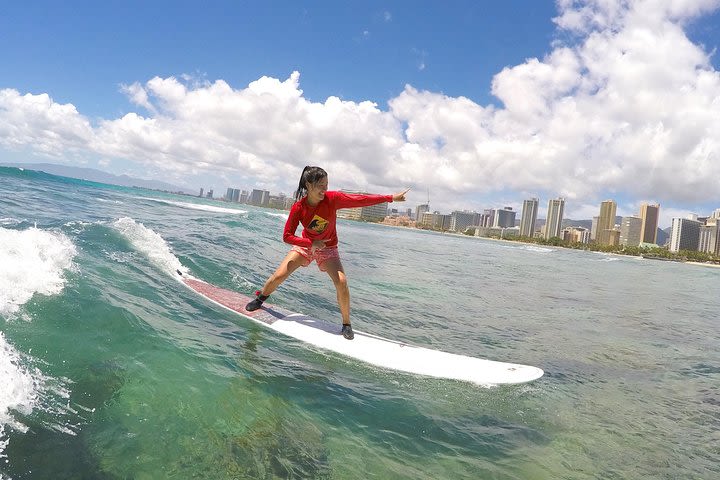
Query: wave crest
[[33, 261], [150, 243]]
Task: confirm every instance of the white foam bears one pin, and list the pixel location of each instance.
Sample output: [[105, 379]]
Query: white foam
[[105, 200], [606, 257], [279, 215], [33, 261], [149, 243], [20, 388], [538, 249], [197, 206], [19, 393], [25, 389]]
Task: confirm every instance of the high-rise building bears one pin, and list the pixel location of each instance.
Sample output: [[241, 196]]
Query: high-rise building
[[371, 213], [504, 218], [374, 212], [630, 231], [232, 195], [710, 237], [553, 223], [260, 198], [685, 234], [436, 221], [419, 210], [459, 221], [606, 222], [528, 217], [593, 228], [488, 217], [648, 230]]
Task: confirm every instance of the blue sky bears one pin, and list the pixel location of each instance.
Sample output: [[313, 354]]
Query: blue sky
[[485, 103], [354, 50]]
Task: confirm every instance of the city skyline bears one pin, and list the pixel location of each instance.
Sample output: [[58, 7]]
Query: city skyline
[[694, 232], [648, 214], [485, 104]]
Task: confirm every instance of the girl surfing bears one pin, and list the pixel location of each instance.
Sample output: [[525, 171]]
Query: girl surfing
[[316, 207]]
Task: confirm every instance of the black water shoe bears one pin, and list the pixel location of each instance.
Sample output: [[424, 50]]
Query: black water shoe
[[257, 303], [347, 331]]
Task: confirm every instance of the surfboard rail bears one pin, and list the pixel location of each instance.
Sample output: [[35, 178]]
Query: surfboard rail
[[368, 348]]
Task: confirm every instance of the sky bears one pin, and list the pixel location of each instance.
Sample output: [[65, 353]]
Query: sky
[[476, 104]]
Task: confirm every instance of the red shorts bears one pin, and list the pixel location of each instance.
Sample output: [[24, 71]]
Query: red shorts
[[320, 255]]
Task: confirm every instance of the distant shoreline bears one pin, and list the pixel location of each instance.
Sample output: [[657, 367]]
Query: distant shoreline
[[703, 264], [688, 262]]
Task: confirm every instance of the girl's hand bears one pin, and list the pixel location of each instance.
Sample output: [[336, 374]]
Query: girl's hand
[[400, 197], [317, 245]]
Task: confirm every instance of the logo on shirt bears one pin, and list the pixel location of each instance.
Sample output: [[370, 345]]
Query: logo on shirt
[[318, 224]]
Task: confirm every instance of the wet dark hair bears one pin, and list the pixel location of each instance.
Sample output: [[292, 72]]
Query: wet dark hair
[[309, 175]]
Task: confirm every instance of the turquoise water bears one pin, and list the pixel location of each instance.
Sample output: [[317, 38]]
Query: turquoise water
[[110, 369]]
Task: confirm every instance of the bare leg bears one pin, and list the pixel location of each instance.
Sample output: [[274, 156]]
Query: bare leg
[[334, 268], [290, 263]]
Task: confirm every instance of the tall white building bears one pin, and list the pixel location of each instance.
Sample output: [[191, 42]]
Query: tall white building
[[710, 237], [553, 223], [528, 217], [630, 231], [685, 234]]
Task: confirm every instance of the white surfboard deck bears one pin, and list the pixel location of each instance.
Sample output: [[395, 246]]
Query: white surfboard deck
[[368, 348]]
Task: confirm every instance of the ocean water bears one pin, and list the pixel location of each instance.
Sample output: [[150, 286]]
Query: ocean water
[[110, 369]]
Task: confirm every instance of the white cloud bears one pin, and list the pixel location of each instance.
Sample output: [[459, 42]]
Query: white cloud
[[35, 121], [138, 95], [629, 107]]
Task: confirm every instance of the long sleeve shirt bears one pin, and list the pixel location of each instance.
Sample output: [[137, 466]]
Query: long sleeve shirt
[[319, 221]]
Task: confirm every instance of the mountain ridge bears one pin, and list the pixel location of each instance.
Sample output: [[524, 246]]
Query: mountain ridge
[[95, 175]]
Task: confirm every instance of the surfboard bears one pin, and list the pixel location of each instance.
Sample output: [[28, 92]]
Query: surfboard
[[368, 348]]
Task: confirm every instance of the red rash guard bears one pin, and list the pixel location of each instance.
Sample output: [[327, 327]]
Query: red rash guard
[[319, 221]]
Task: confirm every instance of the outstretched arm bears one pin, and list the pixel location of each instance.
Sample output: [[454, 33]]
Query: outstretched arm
[[352, 200], [400, 197]]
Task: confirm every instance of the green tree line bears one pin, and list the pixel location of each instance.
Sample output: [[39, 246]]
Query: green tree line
[[651, 252]]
